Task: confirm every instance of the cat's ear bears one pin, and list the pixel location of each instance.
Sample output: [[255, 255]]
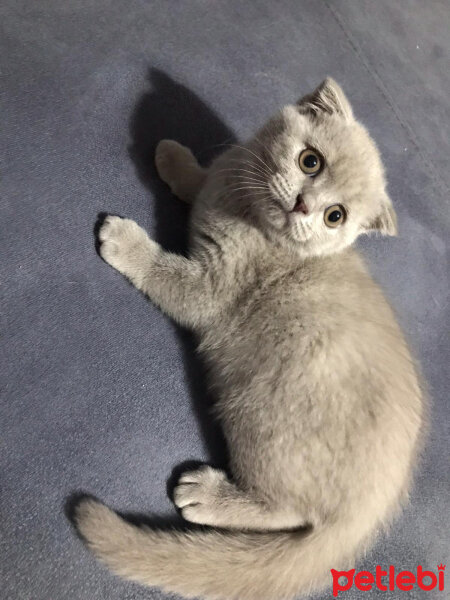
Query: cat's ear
[[328, 98], [385, 222]]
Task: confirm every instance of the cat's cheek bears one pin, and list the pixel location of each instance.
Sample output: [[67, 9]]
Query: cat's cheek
[[278, 220]]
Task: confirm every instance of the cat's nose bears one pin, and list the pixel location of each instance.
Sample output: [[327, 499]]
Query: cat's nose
[[300, 205]]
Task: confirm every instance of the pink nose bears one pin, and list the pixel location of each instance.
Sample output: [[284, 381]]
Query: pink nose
[[300, 205]]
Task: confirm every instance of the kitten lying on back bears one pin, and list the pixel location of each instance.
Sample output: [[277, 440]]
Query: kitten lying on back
[[316, 391]]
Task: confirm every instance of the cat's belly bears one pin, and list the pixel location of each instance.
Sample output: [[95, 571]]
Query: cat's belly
[[304, 406]]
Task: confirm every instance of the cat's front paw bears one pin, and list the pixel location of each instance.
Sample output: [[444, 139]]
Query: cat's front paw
[[123, 244], [199, 493]]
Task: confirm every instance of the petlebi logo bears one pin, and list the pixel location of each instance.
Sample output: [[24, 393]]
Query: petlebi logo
[[390, 580]]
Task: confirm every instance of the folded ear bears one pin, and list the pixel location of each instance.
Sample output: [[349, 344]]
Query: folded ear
[[328, 98], [385, 222]]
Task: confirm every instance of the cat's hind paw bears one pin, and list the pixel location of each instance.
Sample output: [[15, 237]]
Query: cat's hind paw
[[199, 493]]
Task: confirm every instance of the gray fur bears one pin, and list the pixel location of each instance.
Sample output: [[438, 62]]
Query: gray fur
[[316, 390]]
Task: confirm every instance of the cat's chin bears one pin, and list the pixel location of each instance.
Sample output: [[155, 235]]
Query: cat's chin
[[301, 229], [282, 233], [305, 247], [298, 246]]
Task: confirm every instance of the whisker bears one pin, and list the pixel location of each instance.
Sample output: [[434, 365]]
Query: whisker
[[253, 153], [263, 166], [266, 148], [251, 183], [247, 187], [254, 165], [236, 170], [250, 177], [257, 194], [244, 178]]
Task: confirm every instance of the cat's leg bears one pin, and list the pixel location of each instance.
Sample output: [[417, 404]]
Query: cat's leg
[[181, 287], [206, 496], [178, 167]]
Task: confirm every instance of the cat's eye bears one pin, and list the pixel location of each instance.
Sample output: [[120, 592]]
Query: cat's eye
[[334, 215], [310, 162]]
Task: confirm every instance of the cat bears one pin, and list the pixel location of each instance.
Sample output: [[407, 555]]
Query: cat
[[317, 394]]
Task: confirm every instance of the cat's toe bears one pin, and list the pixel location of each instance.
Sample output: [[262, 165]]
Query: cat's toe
[[108, 237], [201, 486], [187, 493], [205, 475], [112, 229], [196, 504], [120, 240]]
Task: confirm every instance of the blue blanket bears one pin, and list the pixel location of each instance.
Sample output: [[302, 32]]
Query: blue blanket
[[100, 391]]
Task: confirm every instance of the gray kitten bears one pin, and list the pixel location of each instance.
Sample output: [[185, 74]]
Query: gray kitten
[[316, 390]]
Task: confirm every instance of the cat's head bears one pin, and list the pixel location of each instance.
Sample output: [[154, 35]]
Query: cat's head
[[314, 175]]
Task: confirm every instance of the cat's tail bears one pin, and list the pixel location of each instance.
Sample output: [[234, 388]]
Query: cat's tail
[[217, 564]]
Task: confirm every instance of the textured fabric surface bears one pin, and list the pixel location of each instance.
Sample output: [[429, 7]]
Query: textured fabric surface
[[100, 391]]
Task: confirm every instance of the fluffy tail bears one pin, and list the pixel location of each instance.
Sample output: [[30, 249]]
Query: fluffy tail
[[215, 564]]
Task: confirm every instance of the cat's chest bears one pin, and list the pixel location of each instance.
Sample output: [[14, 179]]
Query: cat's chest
[[272, 316], [277, 302], [279, 317]]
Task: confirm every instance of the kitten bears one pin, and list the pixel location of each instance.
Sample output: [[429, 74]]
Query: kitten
[[316, 390]]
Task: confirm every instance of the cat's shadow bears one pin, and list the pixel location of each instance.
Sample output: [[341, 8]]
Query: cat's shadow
[[170, 110]]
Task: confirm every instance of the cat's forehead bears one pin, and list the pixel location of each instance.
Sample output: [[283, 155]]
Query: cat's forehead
[[336, 139]]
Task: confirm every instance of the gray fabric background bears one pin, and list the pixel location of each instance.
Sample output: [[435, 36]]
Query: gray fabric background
[[100, 391]]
